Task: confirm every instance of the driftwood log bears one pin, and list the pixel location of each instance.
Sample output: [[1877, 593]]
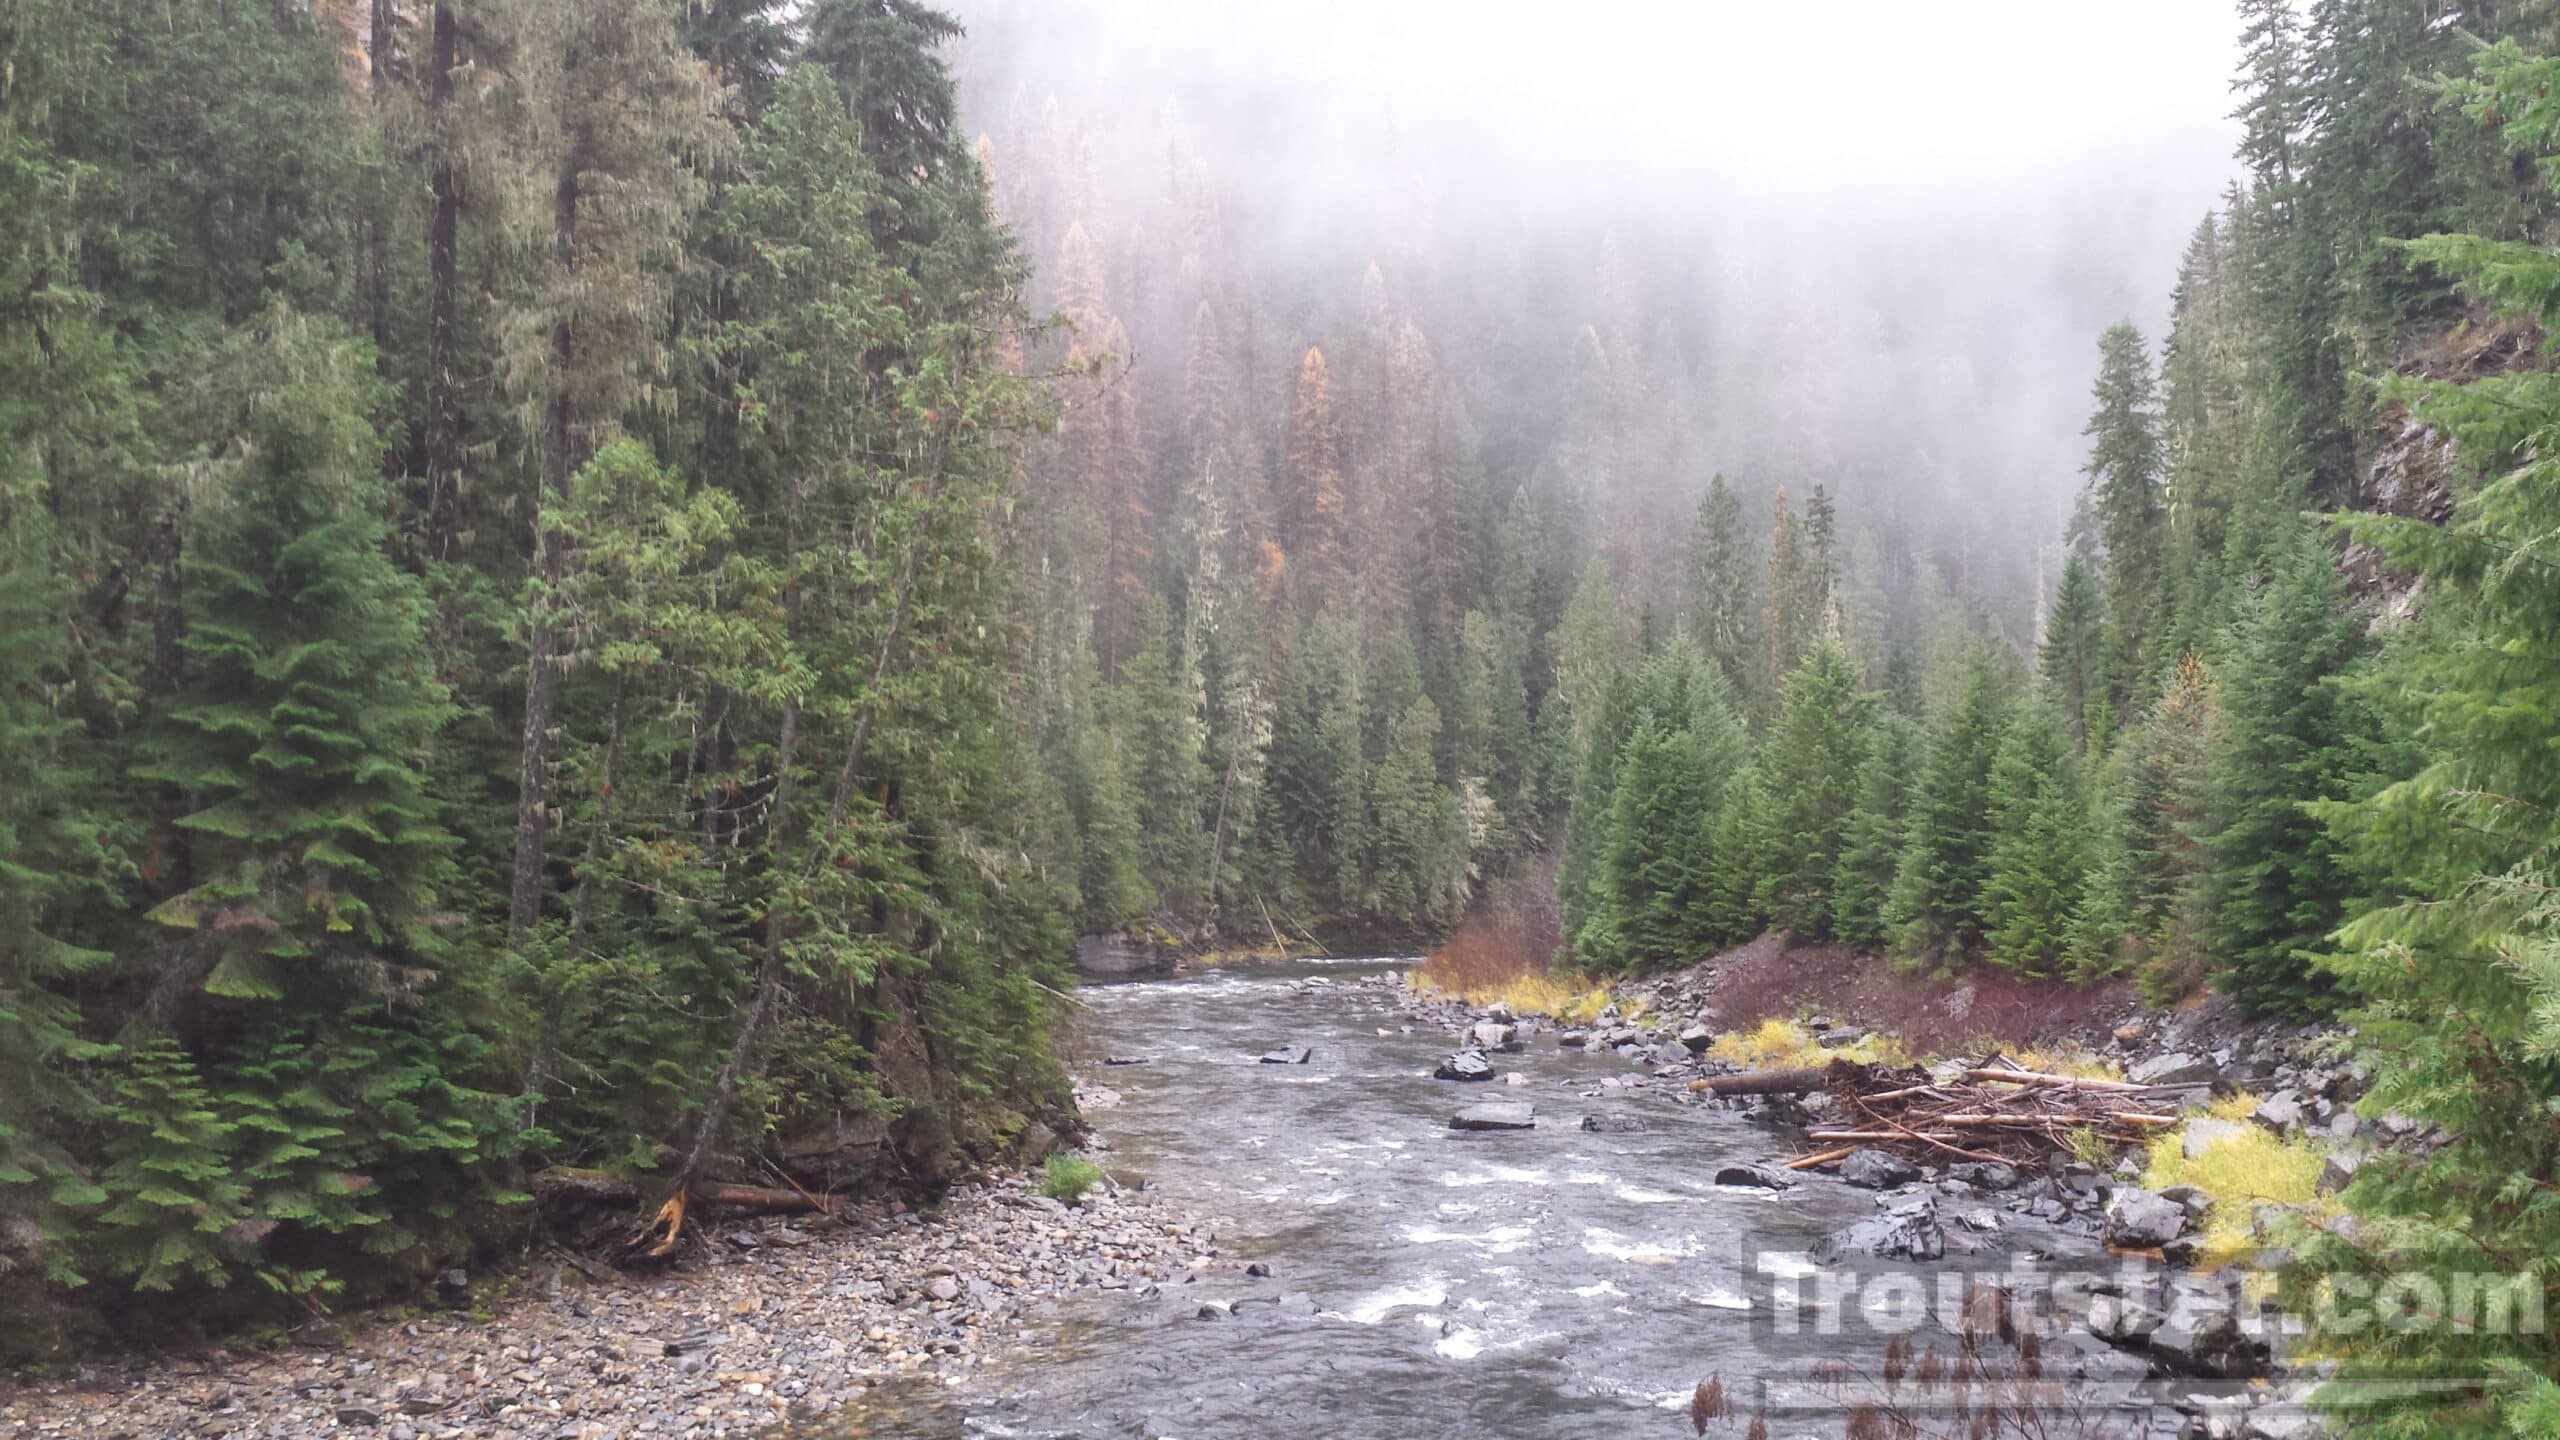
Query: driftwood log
[[562, 1183], [1994, 1110]]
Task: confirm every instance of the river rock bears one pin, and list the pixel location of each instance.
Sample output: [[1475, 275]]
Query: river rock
[[2140, 1220], [1697, 1039], [1570, 1039], [1876, 1170], [1908, 1231], [1465, 1065], [2280, 1112], [1671, 1052], [1613, 1124], [2177, 1067], [1288, 1055], [1494, 1035], [1497, 1116], [2339, 1169], [2205, 1132], [1985, 1174], [1756, 1177]]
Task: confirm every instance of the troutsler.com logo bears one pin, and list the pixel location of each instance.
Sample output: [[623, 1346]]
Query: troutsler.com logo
[[2103, 1347]]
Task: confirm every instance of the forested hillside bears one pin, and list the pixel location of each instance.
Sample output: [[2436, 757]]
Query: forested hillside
[[512, 625]]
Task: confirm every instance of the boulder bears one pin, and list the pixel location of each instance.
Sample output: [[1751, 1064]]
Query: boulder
[[2339, 1169], [1909, 1231], [1613, 1124], [1756, 1177], [2280, 1112], [1877, 1170], [1494, 1035], [1672, 1052], [1496, 1116], [1570, 1039], [2141, 1220], [1840, 1035], [1697, 1039], [2177, 1067], [1465, 1065], [1288, 1055]]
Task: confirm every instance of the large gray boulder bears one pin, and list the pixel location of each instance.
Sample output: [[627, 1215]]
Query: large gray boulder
[[2177, 1067], [1908, 1231], [2141, 1220], [1756, 1177], [1497, 1116], [2205, 1132]]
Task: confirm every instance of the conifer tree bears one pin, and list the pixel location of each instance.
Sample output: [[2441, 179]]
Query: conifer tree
[[1724, 608], [1872, 837], [1315, 507], [2141, 905], [1657, 883], [1810, 766], [2072, 662], [2274, 882], [2124, 480], [1936, 914], [2039, 815]]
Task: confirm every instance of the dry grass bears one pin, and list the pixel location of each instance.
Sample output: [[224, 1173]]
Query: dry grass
[[2240, 1173], [2068, 1060], [1777, 1044], [1502, 955]]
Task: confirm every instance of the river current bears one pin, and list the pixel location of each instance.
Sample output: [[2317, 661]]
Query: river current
[[1423, 1281]]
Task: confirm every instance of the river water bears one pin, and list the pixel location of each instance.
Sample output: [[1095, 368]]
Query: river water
[[1423, 1281]]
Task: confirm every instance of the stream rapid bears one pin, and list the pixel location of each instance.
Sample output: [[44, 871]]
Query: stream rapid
[[1423, 1281]]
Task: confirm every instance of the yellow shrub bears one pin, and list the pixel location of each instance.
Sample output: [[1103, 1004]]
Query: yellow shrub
[[1527, 994], [2070, 1060], [2239, 1173], [1778, 1044]]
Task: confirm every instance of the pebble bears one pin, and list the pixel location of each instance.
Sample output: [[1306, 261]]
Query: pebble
[[805, 1316]]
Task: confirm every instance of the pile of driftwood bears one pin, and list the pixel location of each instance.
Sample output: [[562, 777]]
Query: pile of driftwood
[[1995, 1110]]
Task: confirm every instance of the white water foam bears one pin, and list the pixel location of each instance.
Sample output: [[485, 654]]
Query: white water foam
[[1638, 1195], [1430, 1294]]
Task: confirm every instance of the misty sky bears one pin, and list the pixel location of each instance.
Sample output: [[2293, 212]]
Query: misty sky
[[1927, 211]]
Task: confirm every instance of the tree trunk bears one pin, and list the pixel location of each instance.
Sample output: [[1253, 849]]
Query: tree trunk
[[442, 461], [560, 432]]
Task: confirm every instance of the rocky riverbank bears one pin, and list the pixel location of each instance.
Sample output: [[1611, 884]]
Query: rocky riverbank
[[2198, 1332], [780, 1321]]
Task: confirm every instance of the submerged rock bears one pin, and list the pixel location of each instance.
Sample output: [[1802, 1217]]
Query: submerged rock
[[1613, 1124], [1497, 1116], [1288, 1055]]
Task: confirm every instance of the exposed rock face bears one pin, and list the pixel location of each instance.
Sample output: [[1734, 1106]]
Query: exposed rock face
[[1118, 955], [1497, 1116]]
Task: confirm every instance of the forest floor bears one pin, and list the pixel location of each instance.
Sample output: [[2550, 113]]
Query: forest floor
[[772, 1321]]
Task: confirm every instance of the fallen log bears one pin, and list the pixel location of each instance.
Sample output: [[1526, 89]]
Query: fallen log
[[1764, 1082], [2056, 1082], [1821, 1157], [598, 1187]]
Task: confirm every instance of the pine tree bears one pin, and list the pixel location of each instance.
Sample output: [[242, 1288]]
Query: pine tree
[[1656, 883], [1810, 766], [1723, 593], [1418, 831], [1936, 914], [1314, 507], [2141, 905], [2274, 883], [2072, 662], [1789, 622], [2039, 815], [1871, 839], [2124, 480]]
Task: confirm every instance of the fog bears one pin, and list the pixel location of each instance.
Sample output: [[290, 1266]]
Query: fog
[[1869, 245]]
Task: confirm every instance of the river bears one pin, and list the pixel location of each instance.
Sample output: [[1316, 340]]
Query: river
[[1423, 1281]]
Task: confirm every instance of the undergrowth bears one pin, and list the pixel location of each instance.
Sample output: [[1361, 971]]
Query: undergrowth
[[1776, 1044], [2239, 1173]]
